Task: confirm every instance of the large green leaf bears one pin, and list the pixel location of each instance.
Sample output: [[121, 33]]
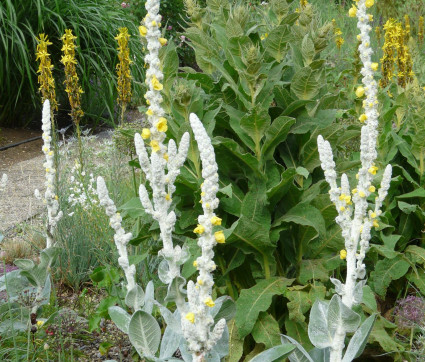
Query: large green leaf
[[255, 124], [277, 42], [144, 333], [275, 194], [255, 300], [387, 270], [235, 343], [276, 133], [266, 330], [304, 84]]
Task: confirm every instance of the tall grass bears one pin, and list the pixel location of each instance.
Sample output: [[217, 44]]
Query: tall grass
[[94, 22]]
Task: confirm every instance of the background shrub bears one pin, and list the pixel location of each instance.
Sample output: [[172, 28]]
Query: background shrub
[[95, 23]]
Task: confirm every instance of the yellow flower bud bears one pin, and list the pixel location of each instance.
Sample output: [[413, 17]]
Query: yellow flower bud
[[155, 146], [167, 197], [199, 229], [372, 170], [342, 197], [359, 37], [142, 30], [370, 17], [146, 133], [373, 215], [219, 237], [362, 194], [163, 41], [362, 118], [156, 84], [190, 317], [200, 281], [352, 12], [149, 112], [165, 156], [342, 208], [375, 224], [360, 92], [154, 23], [354, 191], [369, 3], [372, 188], [209, 302], [161, 126], [195, 264], [374, 66], [343, 254], [215, 220]]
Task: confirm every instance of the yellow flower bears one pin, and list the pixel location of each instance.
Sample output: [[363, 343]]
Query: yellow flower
[[352, 12], [199, 229], [190, 317], [146, 133], [209, 302], [342, 208], [56, 197], [156, 84], [354, 191], [369, 3], [165, 156], [167, 197], [362, 118], [370, 17], [219, 237], [372, 188], [155, 146], [142, 30], [195, 264], [362, 194], [39, 323], [359, 37], [154, 23], [200, 281], [373, 215], [161, 126], [375, 224], [343, 254], [149, 112], [215, 220], [163, 41], [372, 170], [374, 66], [360, 92]]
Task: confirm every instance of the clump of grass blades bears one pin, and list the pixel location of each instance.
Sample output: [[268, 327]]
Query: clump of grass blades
[[92, 23]]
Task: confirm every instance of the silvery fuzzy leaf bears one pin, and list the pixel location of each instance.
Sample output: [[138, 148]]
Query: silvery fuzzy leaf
[[299, 354], [171, 319], [135, 297], [186, 355], [120, 317], [170, 343], [144, 333], [339, 287], [222, 346], [176, 289], [45, 294], [358, 291], [340, 315], [185, 255], [24, 264], [320, 354], [164, 272], [358, 341], [318, 325], [274, 354], [149, 298], [224, 308]]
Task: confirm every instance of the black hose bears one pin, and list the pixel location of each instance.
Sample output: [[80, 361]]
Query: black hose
[[20, 143]]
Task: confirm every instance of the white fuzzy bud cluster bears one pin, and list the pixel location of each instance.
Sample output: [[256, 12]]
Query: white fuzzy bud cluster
[[154, 75], [3, 182], [197, 321], [121, 238], [50, 197], [354, 218]]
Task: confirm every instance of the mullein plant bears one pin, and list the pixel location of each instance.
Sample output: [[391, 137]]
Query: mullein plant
[[331, 321], [123, 70], [193, 321], [72, 88], [356, 216]]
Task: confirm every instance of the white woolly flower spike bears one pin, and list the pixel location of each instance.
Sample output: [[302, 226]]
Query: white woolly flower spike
[[356, 229], [50, 197], [121, 238], [197, 329]]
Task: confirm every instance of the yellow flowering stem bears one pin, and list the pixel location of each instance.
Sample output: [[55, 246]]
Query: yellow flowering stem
[[123, 71]]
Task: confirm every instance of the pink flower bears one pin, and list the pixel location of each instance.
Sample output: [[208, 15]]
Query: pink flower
[[169, 27], [183, 38], [124, 5]]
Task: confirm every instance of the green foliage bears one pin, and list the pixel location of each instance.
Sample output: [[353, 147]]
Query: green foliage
[[95, 23]]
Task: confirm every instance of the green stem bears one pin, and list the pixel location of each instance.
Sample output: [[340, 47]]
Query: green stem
[[266, 267]]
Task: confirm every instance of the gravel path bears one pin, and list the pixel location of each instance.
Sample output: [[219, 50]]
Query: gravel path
[[17, 202]]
